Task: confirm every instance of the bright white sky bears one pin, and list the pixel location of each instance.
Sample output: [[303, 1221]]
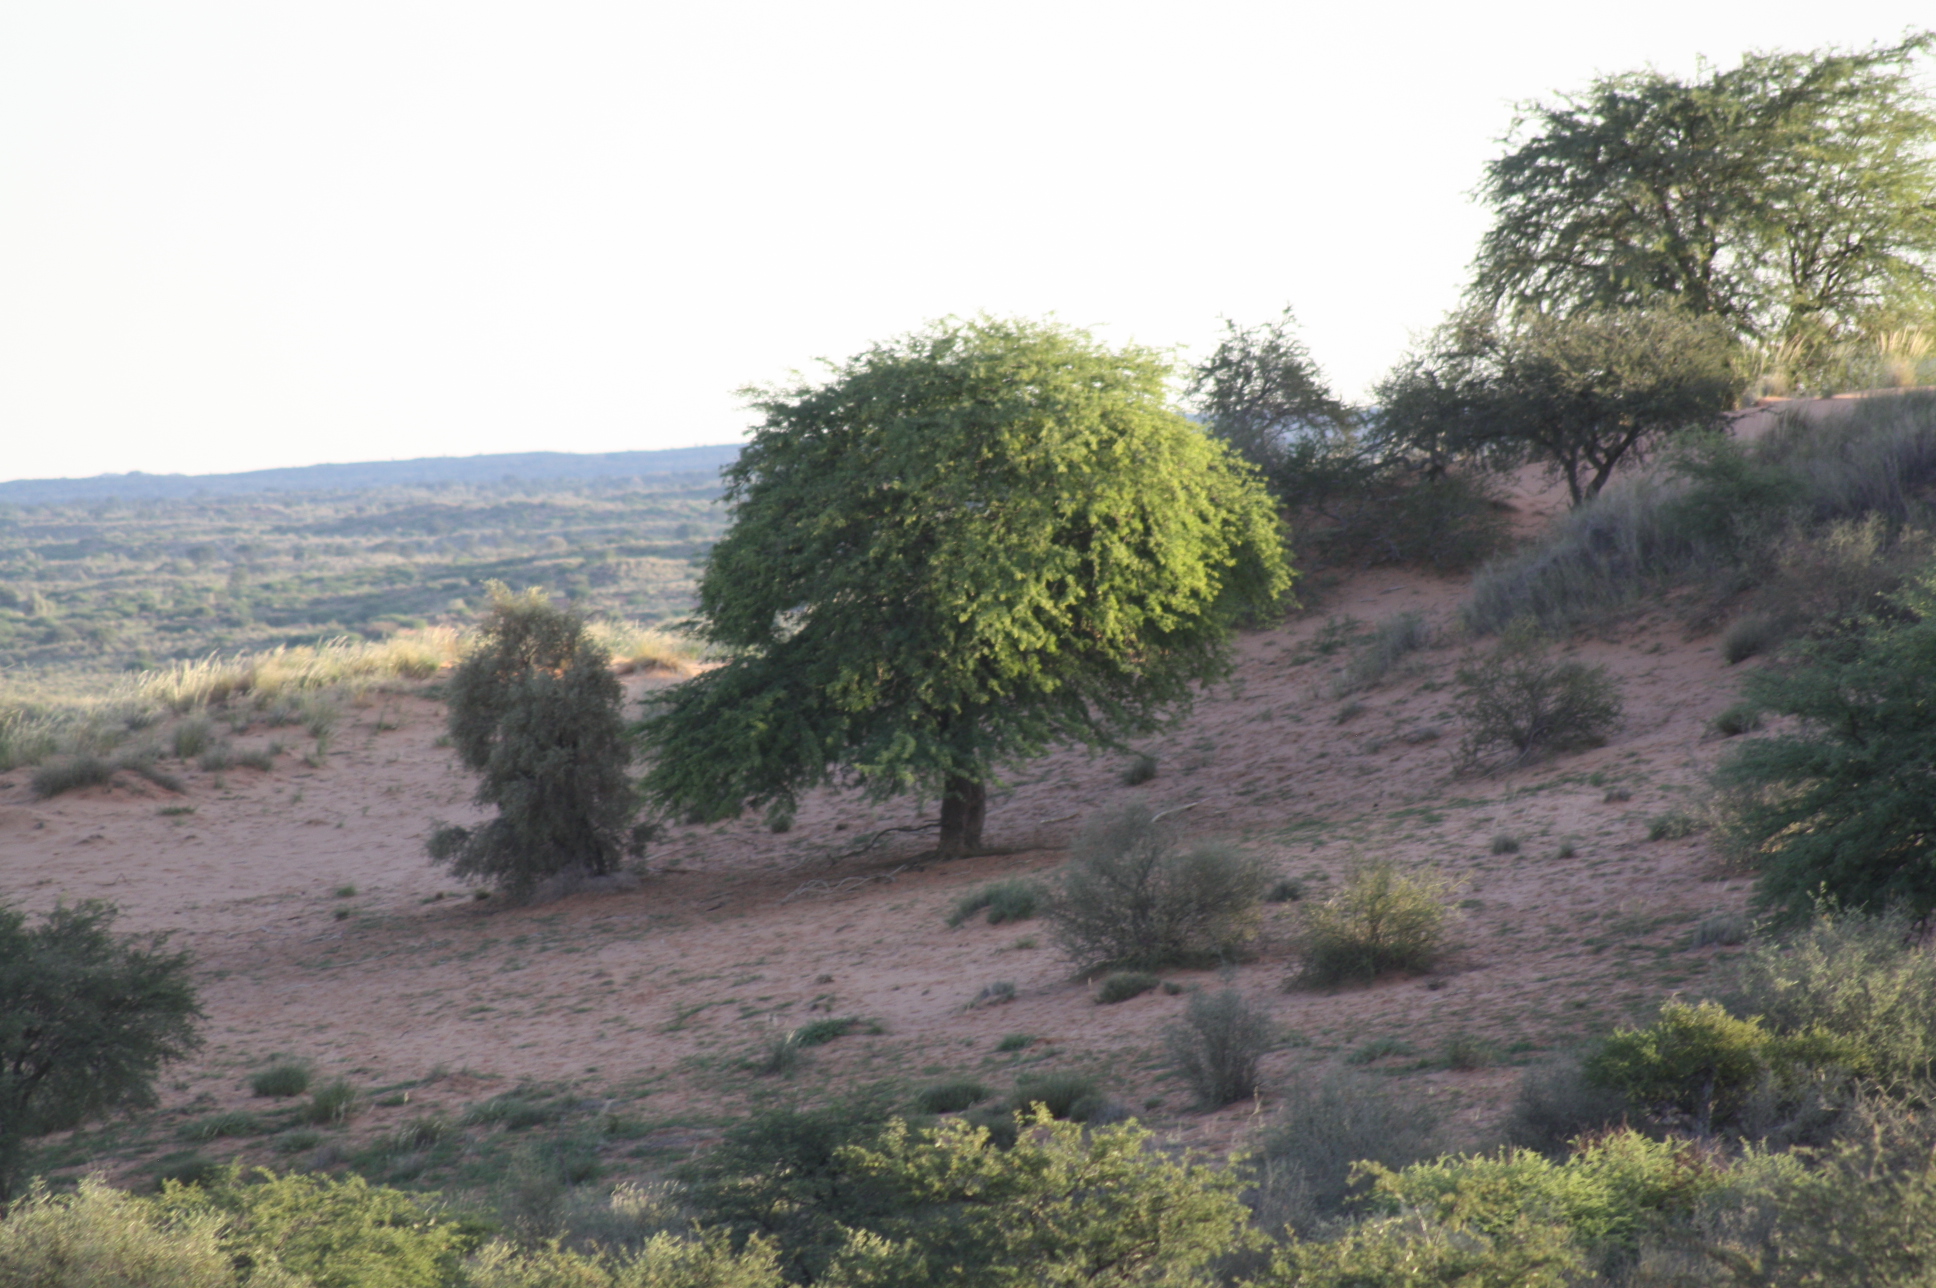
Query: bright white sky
[[261, 233]]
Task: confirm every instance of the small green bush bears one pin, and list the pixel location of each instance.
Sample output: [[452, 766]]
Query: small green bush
[[1505, 843], [1749, 636], [512, 1111], [1004, 901], [192, 737], [1698, 1060], [1120, 986], [1393, 642], [1517, 700], [782, 1059], [1132, 896], [1380, 1049], [1216, 1047], [952, 1097], [1306, 1156], [1738, 719], [295, 1142], [1380, 920], [332, 1103], [1015, 1042], [1072, 1096], [1284, 890], [69, 774], [216, 759], [1141, 770], [217, 1126], [100, 1237], [1672, 826]]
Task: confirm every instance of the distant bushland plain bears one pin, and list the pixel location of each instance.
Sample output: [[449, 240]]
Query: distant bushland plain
[[118, 582]]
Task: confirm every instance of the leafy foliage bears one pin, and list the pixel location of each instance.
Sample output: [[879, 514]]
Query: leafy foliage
[[1841, 806], [534, 709], [1262, 393], [1580, 393], [1061, 1206], [1697, 1060], [1787, 195], [971, 543], [1380, 919], [1517, 699], [86, 1021], [1133, 896]]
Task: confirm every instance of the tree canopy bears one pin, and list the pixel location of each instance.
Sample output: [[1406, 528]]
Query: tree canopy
[[968, 544], [1790, 195], [86, 1021], [1261, 392], [1580, 393]]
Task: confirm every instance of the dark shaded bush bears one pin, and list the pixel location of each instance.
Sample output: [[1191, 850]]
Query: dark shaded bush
[[1133, 896], [1393, 642], [1738, 719], [1556, 1104], [1305, 1157], [70, 773], [534, 710], [1517, 700], [1073, 1096], [951, 1097], [87, 1019], [1003, 900], [1216, 1046], [1121, 985], [1141, 770], [1284, 890], [1379, 920], [280, 1080]]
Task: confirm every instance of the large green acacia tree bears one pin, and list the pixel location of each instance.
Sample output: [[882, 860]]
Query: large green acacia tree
[[967, 545], [1790, 195]]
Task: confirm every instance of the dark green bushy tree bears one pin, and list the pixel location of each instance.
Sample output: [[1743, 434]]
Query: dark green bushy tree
[[1262, 393], [1788, 196], [535, 710], [1844, 805], [970, 544], [1580, 394], [86, 1021]]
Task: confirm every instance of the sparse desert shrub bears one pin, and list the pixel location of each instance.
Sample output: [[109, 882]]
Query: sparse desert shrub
[[821, 1032], [1725, 928], [1393, 642], [1132, 896], [1380, 920], [1380, 1049], [331, 1104], [512, 1111], [262, 760], [1505, 843], [1749, 636], [87, 1021], [192, 737], [1141, 770], [1463, 1051], [1517, 699], [217, 1126], [534, 711], [1003, 900], [295, 1142], [1073, 1096], [952, 1097], [1121, 985], [1557, 1104], [70, 773], [1672, 826], [1304, 1160], [217, 758], [1215, 1047], [101, 1237], [995, 994], [1742, 717], [1015, 1042], [782, 1058], [1284, 890]]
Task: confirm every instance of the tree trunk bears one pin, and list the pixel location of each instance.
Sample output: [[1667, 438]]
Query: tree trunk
[[964, 801]]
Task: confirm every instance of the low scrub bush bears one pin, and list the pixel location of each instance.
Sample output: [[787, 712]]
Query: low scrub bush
[[1672, 826], [513, 1112], [1380, 919], [1557, 1104], [782, 1058], [1305, 1157], [1463, 1051], [1517, 700], [1121, 985], [1134, 896], [69, 774], [1742, 717], [1141, 770], [1505, 843], [1381, 1049], [1723, 928], [1002, 900], [1390, 645], [192, 737], [1284, 890], [217, 758], [1216, 1047], [217, 1126], [952, 1097], [1697, 1063], [331, 1104], [100, 1237], [1073, 1096], [1751, 636]]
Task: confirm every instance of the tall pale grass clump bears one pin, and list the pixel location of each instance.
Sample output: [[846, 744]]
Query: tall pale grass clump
[[644, 648], [279, 672]]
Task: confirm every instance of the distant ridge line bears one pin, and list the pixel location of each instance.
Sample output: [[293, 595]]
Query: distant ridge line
[[420, 472]]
